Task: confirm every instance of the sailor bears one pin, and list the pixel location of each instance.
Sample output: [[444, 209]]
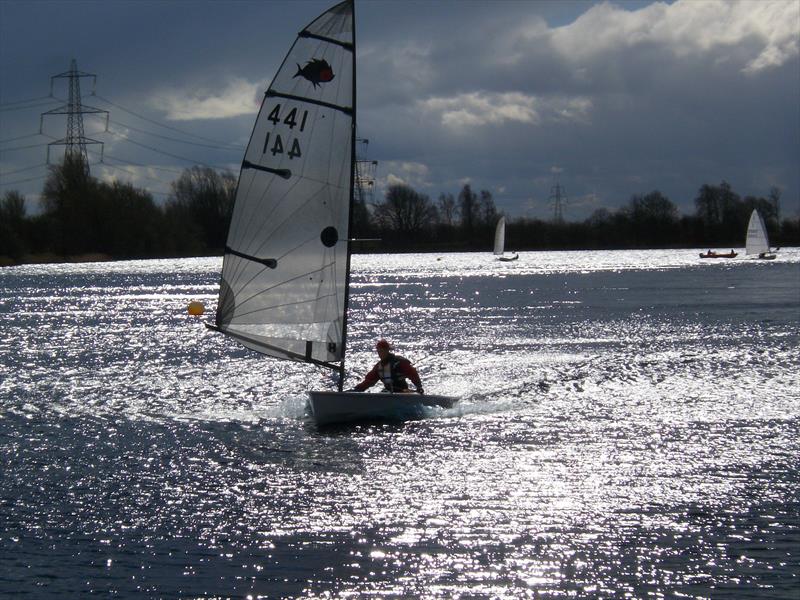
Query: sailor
[[392, 370]]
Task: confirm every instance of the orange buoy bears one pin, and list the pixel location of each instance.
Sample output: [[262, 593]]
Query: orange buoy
[[196, 308]]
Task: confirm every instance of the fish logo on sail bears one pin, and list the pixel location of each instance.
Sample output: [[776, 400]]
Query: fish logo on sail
[[316, 71]]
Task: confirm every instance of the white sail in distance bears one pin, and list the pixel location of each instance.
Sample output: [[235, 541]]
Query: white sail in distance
[[500, 236], [757, 241], [285, 269]]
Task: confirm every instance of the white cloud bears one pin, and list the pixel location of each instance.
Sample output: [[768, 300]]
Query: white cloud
[[476, 109], [392, 179], [414, 168], [405, 172], [765, 33], [239, 97]]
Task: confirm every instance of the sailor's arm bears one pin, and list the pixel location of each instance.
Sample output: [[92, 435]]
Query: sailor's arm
[[408, 370], [370, 380]]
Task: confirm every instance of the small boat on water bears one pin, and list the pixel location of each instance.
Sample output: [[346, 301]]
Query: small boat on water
[[713, 254], [500, 242], [757, 242], [285, 283]]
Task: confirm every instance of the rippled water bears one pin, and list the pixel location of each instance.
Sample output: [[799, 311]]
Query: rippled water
[[630, 428]]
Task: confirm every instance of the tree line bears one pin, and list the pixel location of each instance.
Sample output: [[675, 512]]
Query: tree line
[[84, 217], [406, 220]]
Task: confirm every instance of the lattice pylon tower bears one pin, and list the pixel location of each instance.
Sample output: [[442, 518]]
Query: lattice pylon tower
[[75, 140], [365, 172], [558, 198]]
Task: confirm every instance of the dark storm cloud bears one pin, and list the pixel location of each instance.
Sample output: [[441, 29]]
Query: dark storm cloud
[[665, 97], [613, 99]]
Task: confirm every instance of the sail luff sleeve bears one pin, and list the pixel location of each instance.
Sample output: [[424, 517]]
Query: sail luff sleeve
[[348, 237]]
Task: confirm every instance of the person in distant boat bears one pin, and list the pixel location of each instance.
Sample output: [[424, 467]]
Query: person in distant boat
[[392, 370]]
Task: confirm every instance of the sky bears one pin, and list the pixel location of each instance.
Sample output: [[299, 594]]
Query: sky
[[606, 99]]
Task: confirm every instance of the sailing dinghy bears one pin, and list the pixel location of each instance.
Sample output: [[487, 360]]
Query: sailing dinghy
[[757, 242], [285, 280], [500, 242]]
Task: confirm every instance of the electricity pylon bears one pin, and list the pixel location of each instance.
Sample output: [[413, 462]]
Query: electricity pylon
[[365, 173], [557, 196], [75, 141]]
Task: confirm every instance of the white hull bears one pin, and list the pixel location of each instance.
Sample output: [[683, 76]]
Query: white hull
[[343, 407]]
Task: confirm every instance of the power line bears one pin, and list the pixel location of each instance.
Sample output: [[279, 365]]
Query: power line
[[24, 101], [21, 170], [6, 183], [106, 165], [145, 146], [25, 107], [76, 140], [165, 126], [164, 137], [22, 137], [103, 165], [135, 164], [24, 147]]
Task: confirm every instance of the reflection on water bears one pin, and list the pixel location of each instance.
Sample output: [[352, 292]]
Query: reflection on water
[[628, 428]]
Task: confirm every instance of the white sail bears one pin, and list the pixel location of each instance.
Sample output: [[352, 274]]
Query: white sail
[[757, 241], [285, 270], [500, 236]]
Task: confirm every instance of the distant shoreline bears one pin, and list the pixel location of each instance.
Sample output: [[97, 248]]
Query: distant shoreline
[[50, 258]]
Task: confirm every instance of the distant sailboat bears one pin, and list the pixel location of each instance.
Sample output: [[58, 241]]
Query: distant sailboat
[[500, 242], [286, 268], [757, 242]]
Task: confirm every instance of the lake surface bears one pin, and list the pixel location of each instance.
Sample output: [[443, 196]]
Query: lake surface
[[629, 428]]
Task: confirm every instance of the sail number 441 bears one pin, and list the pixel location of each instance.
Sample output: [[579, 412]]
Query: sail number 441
[[291, 121]]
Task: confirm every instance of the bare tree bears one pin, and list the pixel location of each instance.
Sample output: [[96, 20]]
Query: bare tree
[[404, 210], [488, 212], [12, 207], [205, 197], [468, 203], [651, 208], [448, 211]]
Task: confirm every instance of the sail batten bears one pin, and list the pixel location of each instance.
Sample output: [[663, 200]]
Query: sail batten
[[284, 274], [267, 262], [284, 173], [345, 109], [308, 34]]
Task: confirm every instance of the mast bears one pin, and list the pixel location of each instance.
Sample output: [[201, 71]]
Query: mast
[[350, 212]]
